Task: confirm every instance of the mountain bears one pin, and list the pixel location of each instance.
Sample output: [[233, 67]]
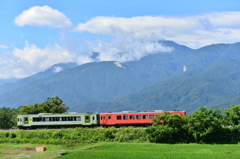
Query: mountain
[[182, 79], [216, 87], [14, 83], [8, 80]]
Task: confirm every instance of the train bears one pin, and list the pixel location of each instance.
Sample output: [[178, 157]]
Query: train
[[73, 119]]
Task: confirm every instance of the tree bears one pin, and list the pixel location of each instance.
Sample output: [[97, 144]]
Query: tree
[[55, 105], [206, 125], [8, 117], [233, 122], [51, 105], [233, 115], [167, 128]]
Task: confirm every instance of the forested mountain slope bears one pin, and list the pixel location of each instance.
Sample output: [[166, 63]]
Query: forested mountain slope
[[216, 86]]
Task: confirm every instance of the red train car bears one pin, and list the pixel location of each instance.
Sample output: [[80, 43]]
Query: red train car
[[130, 118]]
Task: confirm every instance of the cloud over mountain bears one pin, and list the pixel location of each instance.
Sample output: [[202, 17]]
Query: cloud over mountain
[[193, 30], [42, 16], [127, 39], [32, 59]]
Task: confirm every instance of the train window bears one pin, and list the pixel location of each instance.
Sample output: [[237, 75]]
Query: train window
[[109, 117], [101, 118], [43, 119], [151, 116], [47, 119], [74, 119], [64, 118], [131, 116], [57, 118], [138, 117], [125, 117], [70, 118], [37, 119], [104, 117], [119, 117], [93, 118], [78, 118], [145, 116], [53, 118]]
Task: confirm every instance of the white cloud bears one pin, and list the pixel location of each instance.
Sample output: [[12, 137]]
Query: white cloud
[[3, 46], [42, 16], [195, 31], [131, 38], [57, 69], [129, 48], [30, 60]]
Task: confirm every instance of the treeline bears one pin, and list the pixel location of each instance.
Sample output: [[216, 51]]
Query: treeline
[[202, 126], [8, 116]]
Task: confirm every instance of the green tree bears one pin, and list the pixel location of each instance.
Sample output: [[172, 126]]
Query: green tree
[[8, 117], [51, 105], [233, 122], [233, 115], [168, 128], [55, 105], [206, 125]]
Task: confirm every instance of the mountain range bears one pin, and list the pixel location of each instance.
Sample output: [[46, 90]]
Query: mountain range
[[183, 79]]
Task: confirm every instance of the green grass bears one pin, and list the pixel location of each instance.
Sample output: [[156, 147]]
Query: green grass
[[9, 151], [150, 150], [107, 150]]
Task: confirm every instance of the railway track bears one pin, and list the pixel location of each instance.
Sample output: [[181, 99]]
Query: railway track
[[24, 130], [9, 129]]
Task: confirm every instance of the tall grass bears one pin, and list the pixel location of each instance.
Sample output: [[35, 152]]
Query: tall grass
[[75, 136]]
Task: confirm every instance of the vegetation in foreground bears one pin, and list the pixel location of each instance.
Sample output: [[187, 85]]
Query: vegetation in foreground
[[123, 150], [14, 151], [150, 150]]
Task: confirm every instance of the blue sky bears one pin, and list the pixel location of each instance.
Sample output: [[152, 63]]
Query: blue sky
[[37, 34]]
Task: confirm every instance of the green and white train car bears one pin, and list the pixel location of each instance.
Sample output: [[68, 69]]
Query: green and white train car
[[50, 120]]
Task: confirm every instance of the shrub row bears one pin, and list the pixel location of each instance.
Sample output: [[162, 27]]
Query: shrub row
[[75, 136]]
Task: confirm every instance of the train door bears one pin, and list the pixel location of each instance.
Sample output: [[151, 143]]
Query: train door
[[87, 119], [105, 119], [20, 121], [26, 120], [93, 117]]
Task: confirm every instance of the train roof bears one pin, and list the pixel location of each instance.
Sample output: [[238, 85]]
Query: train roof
[[69, 113], [149, 111]]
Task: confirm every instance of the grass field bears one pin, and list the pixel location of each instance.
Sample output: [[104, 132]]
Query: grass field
[[116, 150], [11, 151], [151, 151]]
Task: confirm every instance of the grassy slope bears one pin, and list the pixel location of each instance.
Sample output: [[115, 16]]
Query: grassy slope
[[150, 150], [8, 151]]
